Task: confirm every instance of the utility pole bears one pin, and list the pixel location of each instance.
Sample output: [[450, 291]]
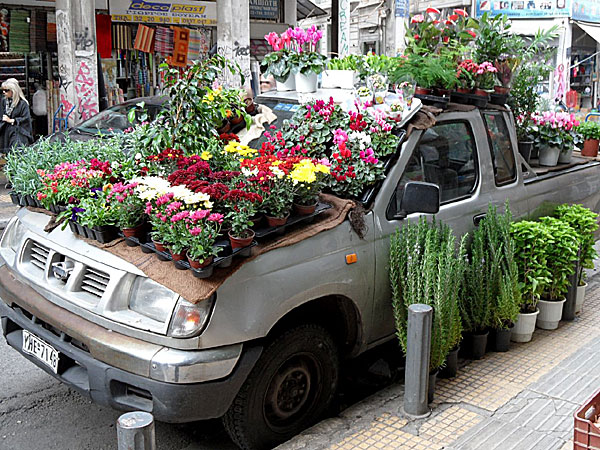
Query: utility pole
[[233, 37]]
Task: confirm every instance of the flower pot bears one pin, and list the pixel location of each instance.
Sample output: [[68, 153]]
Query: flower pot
[[135, 232], [476, 344], [550, 314], [423, 91], [277, 221], [549, 155], [288, 85], [241, 241], [159, 246], [179, 257], [502, 339], [590, 148], [451, 366], [441, 92], [564, 156], [14, 198], [481, 93], [580, 298], [306, 83], [380, 97], [105, 233], [250, 107], [501, 90], [524, 327], [525, 148], [463, 90], [23, 200], [200, 264], [431, 386], [236, 119], [343, 79], [225, 127], [305, 210]]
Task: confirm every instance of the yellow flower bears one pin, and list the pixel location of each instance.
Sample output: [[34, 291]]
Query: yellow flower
[[205, 155]]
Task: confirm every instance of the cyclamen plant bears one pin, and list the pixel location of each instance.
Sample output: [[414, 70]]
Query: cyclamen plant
[[554, 129]]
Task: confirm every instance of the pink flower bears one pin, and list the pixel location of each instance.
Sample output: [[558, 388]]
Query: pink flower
[[215, 217], [419, 18], [180, 216], [199, 214], [195, 231]]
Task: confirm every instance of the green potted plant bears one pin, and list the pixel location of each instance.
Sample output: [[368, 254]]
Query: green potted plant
[[241, 205], [553, 136], [305, 62], [585, 223], [308, 178], [561, 254], [428, 72], [531, 240], [277, 62], [128, 209], [590, 132], [340, 73], [203, 229], [97, 216], [426, 267]]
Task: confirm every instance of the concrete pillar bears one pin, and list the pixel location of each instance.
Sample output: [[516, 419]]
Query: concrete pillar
[[77, 60], [233, 37], [291, 12], [418, 351], [343, 27]]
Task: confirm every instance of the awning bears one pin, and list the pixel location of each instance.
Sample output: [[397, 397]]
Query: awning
[[592, 30], [306, 8]]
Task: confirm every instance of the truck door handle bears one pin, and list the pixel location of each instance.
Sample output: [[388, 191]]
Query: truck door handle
[[478, 218]]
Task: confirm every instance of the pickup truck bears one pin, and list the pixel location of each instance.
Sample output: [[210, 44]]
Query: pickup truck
[[265, 351]]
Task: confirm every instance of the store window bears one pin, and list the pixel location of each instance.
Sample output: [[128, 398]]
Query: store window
[[446, 156], [503, 157]]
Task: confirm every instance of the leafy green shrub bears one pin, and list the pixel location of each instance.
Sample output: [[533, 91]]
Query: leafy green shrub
[[350, 62], [589, 130], [531, 242], [425, 267], [585, 223]]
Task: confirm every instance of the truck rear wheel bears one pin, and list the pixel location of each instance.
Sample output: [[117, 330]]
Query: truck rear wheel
[[291, 386]]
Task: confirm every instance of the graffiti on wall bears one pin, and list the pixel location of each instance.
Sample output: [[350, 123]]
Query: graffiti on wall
[[83, 40], [85, 88], [240, 54]]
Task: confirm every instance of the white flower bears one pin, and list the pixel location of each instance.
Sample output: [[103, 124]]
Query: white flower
[[180, 192], [196, 197], [138, 156], [277, 172], [249, 173], [115, 165]]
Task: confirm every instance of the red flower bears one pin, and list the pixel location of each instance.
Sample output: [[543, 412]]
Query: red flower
[[417, 37], [461, 12], [453, 17], [472, 33], [432, 11]]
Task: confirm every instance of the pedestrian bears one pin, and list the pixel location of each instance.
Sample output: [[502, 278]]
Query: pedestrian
[[15, 127]]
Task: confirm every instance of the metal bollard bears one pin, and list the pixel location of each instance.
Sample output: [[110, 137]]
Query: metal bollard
[[135, 431], [416, 372], [569, 305]]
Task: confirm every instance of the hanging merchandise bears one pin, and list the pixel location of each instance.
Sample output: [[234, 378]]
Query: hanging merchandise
[[164, 41], [144, 38], [51, 32], [199, 44], [4, 24], [18, 35], [181, 41], [103, 35], [121, 37]]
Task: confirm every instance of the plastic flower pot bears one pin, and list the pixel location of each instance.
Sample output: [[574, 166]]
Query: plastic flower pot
[[502, 339], [305, 210], [501, 90], [241, 241], [179, 257], [225, 127], [277, 221], [200, 264], [423, 91], [524, 327], [288, 85], [159, 246], [590, 148], [549, 155], [332, 79], [451, 366], [135, 232], [580, 298], [525, 148], [481, 93], [550, 314], [564, 156], [14, 198], [476, 344], [236, 119], [306, 83]]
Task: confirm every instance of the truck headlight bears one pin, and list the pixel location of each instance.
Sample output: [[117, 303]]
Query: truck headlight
[[190, 319], [152, 299]]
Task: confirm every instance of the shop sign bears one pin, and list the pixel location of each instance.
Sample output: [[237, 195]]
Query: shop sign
[[402, 8], [178, 12], [525, 8], [586, 10], [264, 9]]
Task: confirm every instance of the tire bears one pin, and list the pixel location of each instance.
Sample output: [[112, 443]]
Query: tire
[[289, 389]]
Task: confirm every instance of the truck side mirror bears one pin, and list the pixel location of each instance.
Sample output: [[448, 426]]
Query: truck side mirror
[[420, 197]]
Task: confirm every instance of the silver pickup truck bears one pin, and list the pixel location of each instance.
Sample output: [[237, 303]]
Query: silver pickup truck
[[266, 349]]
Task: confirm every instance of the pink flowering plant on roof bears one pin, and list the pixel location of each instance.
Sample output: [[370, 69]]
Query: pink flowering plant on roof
[[127, 207], [203, 227], [304, 57]]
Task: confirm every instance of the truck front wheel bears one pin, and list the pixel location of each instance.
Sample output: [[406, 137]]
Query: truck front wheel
[[291, 386]]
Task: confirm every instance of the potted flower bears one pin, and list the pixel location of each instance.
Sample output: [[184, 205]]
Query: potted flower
[[97, 215], [241, 206], [531, 242], [305, 62], [365, 95], [308, 178], [553, 135], [277, 62], [340, 73], [561, 253], [465, 75], [379, 86], [429, 72], [128, 209], [203, 228], [585, 223], [278, 197], [485, 79], [525, 136], [590, 132]]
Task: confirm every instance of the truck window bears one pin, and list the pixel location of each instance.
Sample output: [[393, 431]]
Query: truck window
[[446, 156], [503, 158]]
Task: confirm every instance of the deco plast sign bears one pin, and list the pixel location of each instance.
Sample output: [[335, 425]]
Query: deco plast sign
[[182, 12]]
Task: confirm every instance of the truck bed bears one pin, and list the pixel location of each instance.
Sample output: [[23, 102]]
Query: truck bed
[[544, 172]]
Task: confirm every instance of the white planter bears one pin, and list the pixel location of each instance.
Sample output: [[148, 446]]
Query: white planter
[[306, 82], [288, 85], [549, 155], [380, 97], [524, 327], [565, 156], [550, 314], [332, 79], [580, 298]]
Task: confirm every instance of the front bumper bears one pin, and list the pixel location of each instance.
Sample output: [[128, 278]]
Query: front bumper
[[125, 384]]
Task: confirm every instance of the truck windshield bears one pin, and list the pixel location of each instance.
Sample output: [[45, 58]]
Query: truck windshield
[[114, 119]]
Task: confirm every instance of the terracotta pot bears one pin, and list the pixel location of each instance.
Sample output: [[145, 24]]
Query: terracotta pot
[[224, 128], [200, 264], [305, 210], [250, 106], [178, 256], [590, 148], [159, 246], [239, 242], [277, 221], [423, 91], [480, 92], [463, 90], [501, 90], [443, 92], [133, 232], [236, 119]]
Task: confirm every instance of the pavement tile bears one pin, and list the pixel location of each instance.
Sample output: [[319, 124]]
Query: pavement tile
[[444, 428]]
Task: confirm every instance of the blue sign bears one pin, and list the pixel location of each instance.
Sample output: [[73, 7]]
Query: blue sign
[[525, 8], [402, 8], [586, 10], [264, 9]]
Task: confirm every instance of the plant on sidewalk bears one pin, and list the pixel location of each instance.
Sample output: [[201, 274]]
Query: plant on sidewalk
[[425, 267], [585, 223], [531, 242], [561, 254]]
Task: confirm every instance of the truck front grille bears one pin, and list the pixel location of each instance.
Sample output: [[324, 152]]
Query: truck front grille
[[39, 255], [94, 282]]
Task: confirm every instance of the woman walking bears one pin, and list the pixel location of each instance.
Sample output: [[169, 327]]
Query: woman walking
[[15, 127]]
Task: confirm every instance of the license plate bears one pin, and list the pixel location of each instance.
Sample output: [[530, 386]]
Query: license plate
[[34, 346]]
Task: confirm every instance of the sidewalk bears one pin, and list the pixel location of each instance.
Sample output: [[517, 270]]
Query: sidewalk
[[7, 209], [523, 399]]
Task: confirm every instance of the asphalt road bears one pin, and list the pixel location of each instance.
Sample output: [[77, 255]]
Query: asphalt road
[[39, 413]]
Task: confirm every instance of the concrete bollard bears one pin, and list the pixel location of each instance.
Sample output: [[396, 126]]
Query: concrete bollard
[[135, 431], [416, 372]]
